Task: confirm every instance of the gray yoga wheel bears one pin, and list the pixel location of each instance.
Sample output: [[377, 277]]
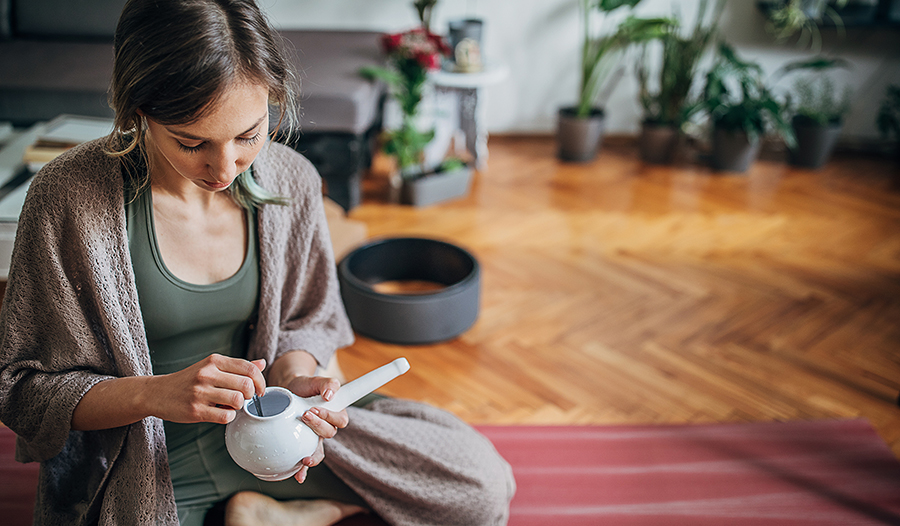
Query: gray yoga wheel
[[410, 318]]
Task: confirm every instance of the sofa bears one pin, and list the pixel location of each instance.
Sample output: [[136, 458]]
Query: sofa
[[56, 57]]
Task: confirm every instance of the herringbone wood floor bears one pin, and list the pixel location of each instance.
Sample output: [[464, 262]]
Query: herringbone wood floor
[[615, 292]]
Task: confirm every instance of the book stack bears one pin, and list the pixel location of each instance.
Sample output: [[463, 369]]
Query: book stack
[[61, 134]]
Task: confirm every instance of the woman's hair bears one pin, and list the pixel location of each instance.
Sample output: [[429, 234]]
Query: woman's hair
[[175, 58]]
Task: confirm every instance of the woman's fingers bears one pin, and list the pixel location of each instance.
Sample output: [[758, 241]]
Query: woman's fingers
[[338, 419], [305, 386], [320, 426], [313, 460], [211, 390], [244, 376]]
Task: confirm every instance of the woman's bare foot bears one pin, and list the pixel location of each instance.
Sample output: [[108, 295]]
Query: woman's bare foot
[[249, 508]]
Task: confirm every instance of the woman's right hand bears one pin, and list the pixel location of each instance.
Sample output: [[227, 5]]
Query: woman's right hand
[[211, 390]]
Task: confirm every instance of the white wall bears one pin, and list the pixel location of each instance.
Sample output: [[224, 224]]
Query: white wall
[[539, 40]]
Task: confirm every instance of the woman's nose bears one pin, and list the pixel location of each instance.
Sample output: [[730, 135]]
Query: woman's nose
[[222, 164]]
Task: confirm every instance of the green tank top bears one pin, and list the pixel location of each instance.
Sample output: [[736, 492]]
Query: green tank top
[[187, 322]]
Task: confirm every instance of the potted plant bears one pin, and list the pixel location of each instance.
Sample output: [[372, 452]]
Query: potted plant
[[580, 127], [817, 110], [786, 18], [888, 119], [668, 108], [741, 109], [411, 55]]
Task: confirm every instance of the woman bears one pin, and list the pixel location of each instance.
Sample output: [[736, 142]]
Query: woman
[[166, 274]]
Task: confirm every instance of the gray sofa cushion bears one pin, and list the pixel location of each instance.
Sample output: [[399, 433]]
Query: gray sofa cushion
[[333, 95], [66, 18], [42, 79]]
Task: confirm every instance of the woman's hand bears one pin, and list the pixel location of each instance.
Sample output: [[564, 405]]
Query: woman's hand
[[211, 390], [323, 422]]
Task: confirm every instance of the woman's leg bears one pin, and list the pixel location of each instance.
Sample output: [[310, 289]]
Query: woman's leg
[[250, 508], [323, 499], [415, 464]]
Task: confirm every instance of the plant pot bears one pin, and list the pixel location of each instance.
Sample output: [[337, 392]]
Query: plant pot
[[579, 139], [733, 151], [815, 142], [436, 187], [658, 143]]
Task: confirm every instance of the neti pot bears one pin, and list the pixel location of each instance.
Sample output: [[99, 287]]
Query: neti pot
[[271, 446]]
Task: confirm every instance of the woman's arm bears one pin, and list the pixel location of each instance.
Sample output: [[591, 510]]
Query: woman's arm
[[211, 390]]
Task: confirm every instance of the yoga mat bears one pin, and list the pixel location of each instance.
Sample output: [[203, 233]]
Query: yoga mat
[[18, 483], [794, 473]]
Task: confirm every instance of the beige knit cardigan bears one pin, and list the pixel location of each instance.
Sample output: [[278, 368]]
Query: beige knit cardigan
[[71, 319]]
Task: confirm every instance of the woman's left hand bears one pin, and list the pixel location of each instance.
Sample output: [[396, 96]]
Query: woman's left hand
[[323, 422]]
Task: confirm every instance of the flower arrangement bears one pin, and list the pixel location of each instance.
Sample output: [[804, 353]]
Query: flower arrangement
[[410, 54]]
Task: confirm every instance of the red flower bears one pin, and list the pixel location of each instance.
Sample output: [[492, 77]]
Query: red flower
[[428, 60], [390, 43], [426, 48]]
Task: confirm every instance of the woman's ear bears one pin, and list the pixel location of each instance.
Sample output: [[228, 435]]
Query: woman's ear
[[139, 112]]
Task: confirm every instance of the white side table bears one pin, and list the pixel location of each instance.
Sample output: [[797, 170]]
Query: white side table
[[460, 96]]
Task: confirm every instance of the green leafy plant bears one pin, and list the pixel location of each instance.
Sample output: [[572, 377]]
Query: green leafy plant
[[790, 17], [670, 105], [816, 97], [423, 9], [889, 113], [737, 98], [602, 50], [411, 54]]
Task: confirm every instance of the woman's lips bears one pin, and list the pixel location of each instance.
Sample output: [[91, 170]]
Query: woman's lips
[[216, 185]]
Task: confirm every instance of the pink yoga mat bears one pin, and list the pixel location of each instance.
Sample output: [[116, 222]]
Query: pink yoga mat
[[795, 473]]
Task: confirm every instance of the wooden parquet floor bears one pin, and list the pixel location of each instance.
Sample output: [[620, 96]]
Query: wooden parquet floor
[[620, 293]]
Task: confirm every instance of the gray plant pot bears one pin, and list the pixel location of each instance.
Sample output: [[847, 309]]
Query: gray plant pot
[[815, 143], [658, 143], [579, 139], [436, 188], [733, 151]]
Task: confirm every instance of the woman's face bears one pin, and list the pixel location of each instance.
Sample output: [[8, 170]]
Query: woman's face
[[212, 151]]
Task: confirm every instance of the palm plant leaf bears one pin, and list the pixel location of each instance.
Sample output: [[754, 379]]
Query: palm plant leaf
[[601, 55], [670, 103], [612, 5]]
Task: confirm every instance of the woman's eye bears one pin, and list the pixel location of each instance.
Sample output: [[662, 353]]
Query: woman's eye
[[250, 140], [190, 149]]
